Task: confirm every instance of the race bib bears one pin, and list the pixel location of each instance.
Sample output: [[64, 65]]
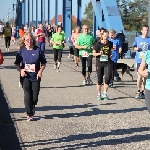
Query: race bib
[[85, 54], [103, 58], [140, 54], [30, 67], [43, 34]]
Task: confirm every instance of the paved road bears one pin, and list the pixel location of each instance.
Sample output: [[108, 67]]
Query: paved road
[[68, 115]]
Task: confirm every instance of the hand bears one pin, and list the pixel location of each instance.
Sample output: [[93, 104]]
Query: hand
[[39, 75], [84, 47], [137, 48], [39, 34], [111, 56], [120, 51], [101, 53], [145, 73], [22, 72]]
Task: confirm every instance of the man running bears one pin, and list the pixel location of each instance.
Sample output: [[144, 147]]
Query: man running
[[117, 49], [7, 35], [141, 45], [84, 44]]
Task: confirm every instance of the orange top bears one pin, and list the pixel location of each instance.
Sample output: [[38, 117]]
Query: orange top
[[21, 32]]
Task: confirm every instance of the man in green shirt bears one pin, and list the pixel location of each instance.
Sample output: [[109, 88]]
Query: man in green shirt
[[58, 42], [84, 44]]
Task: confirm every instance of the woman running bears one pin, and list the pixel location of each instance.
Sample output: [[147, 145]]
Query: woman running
[[71, 53], [30, 62], [102, 51], [41, 35], [58, 42], [76, 51]]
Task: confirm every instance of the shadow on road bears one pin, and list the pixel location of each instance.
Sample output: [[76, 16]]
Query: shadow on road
[[95, 136], [8, 134]]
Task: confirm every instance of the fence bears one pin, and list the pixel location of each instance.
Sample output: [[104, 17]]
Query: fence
[[130, 36]]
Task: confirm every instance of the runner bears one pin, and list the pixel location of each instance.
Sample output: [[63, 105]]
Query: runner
[[102, 51], [71, 53], [7, 35], [33, 63], [145, 73], [58, 41], [76, 51], [141, 44], [117, 48], [84, 44], [49, 34], [13, 36], [1, 31], [41, 34], [33, 30], [21, 31]]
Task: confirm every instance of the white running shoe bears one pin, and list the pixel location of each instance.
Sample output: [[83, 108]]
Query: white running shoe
[[84, 82], [55, 66]]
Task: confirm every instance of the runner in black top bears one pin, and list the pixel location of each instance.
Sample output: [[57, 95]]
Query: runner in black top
[[102, 51], [49, 34]]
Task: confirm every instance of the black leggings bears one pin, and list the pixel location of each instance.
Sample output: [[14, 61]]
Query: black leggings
[[114, 71], [7, 41], [57, 55], [89, 64], [31, 92], [104, 69], [71, 50]]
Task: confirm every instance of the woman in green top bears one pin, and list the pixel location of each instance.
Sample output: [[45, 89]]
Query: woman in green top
[[58, 42]]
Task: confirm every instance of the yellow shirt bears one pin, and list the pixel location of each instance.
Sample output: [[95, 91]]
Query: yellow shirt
[[7, 31]]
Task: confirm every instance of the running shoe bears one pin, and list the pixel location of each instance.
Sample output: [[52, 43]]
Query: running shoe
[[55, 66], [29, 118], [98, 97], [111, 85], [84, 82], [137, 96], [118, 79], [58, 69], [104, 96], [89, 81], [142, 95]]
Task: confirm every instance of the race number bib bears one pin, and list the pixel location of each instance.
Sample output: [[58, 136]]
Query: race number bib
[[43, 34], [103, 58], [140, 54], [30, 67], [85, 54]]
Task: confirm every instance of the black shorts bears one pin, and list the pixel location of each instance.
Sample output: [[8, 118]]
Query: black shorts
[[76, 51]]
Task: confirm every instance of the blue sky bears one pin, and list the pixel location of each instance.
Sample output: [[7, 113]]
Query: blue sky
[[7, 7]]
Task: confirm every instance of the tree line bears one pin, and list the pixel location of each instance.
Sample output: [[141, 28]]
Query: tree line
[[133, 13]]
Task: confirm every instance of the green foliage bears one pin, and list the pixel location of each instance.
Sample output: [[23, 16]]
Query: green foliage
[[134, 13], [88, 19]]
